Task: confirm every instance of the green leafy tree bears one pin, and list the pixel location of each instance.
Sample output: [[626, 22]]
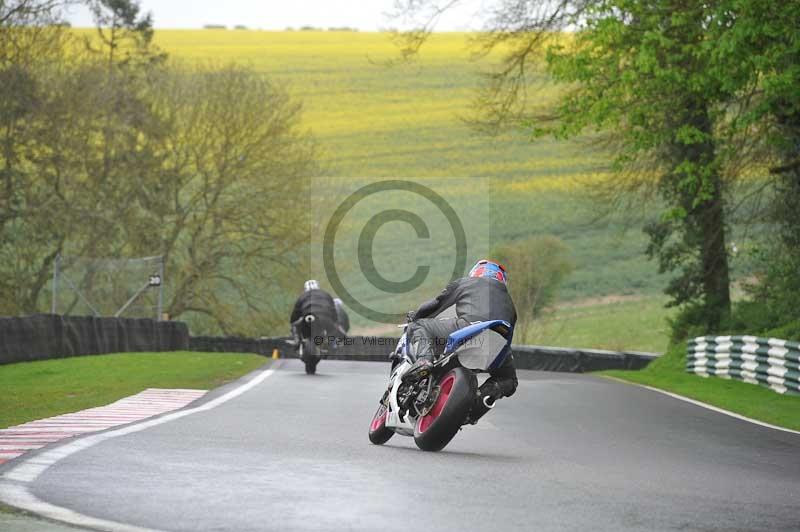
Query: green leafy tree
[[637, 73], [641, 69], [757, 55]]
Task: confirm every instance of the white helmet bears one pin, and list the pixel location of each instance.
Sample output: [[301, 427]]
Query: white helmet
[[311, 284]]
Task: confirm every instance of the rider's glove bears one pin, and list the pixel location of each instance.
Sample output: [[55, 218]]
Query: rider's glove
[[410, 316]]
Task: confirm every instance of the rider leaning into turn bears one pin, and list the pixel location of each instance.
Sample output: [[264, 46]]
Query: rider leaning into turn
[[480, 297]]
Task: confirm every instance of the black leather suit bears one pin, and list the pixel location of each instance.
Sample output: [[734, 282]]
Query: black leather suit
[[474, 299]]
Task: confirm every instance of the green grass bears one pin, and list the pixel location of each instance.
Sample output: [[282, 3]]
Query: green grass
[[35, 390], [668, 373], [621, 324], [21, 520]]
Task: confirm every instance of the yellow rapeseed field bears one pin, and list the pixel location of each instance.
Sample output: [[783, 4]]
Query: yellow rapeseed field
[[374, 117]]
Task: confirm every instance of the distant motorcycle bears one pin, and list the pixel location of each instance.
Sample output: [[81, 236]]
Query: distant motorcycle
[[432, 408], [305, 330]]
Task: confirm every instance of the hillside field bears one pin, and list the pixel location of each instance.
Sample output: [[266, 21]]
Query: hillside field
[[373, 119]]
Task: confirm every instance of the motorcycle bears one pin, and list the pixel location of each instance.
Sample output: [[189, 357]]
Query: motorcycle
[[305, 330], [433, 408]]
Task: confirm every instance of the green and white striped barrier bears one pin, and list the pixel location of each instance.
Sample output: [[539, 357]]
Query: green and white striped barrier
[[766, 361]]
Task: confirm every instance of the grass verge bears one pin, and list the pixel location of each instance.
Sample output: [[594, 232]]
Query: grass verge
[[35, 390], [668, 373], [15, 519], [636, 323], [8, 509]]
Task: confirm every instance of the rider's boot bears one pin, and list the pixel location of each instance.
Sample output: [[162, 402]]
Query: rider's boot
[[419, 370], [487, 395], [423, 366]]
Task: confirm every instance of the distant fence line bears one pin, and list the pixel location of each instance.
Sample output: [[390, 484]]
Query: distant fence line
[[44, 336], [769, 362], [377, 348]]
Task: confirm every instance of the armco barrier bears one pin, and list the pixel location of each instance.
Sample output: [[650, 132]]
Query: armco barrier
[[766, 361], [546, 358], [44, 336], [367, 348], [237, 344], [377, 348]]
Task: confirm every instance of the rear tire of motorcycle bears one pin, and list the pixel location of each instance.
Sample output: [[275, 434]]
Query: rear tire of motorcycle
[[311, 366], [310, 356], [435, 433], [378, 433]]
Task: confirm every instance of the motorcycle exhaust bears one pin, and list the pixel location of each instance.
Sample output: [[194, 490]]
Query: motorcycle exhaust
[[486, 403], [309, 319], [489, 401]]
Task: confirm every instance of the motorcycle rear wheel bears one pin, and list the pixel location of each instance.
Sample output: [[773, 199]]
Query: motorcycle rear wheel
[[309, 356], [311, 366], [378, 433], [457, 389]]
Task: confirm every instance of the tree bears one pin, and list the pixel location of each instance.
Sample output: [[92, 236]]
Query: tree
[[30, 43], [93, 151], [757, 54], [636, 71], [537, 266], [109, 151], [226, 207], [124, 33], [21, 13]]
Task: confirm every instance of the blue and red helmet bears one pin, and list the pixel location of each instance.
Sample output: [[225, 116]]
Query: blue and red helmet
[[489, 268]]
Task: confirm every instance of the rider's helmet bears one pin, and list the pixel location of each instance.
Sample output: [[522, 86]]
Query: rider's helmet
[[311, 284], [489, 268]]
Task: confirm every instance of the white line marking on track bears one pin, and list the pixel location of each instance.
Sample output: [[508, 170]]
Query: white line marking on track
[[13, 489], [19, 496], [708, 406], [140, 406]]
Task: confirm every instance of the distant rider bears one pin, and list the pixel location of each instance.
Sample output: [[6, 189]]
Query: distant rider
[[317, 302], [482, 296]]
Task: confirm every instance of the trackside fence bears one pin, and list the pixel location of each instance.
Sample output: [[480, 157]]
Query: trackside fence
[[769, 362], [45, 336], [377, 349]]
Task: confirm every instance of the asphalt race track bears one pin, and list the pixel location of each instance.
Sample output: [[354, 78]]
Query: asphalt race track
[[567, 452]]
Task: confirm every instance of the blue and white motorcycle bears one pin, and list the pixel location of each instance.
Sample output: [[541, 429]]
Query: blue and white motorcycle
[[432, 408]]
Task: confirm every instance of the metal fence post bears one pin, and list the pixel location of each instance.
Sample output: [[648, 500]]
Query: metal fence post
[[56, 268], [160, 290]]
